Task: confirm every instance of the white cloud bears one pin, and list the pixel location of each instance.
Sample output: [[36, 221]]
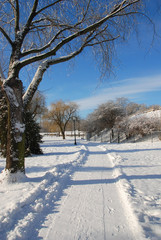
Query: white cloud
[[129, 88]]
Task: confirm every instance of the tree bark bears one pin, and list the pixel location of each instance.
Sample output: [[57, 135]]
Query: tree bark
[[63, 134], [112, 133], [15, 135]]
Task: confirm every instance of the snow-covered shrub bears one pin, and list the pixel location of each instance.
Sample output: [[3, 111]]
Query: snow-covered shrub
[[139, 125], [144, 126]]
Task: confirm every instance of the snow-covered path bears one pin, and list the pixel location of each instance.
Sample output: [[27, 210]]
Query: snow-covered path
[[86, 191], [92, 206]]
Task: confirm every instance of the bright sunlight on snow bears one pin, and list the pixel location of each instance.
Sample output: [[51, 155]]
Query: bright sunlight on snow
[[89, 191]]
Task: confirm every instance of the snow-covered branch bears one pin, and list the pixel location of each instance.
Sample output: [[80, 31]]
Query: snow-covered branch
[[38, 50], [41, 70], [35, 82]]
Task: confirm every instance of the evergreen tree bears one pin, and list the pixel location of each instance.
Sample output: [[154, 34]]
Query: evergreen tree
[[32, 135], [32, 130], [3, 124]]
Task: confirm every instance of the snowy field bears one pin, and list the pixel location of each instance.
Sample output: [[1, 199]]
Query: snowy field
[[93, 191]]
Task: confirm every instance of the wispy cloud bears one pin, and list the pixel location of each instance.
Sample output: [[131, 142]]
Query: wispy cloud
[[129, 88]]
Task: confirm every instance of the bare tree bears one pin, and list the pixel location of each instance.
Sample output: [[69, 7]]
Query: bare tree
[[37, 105], [105, 116], [61, 113], [47, 33]]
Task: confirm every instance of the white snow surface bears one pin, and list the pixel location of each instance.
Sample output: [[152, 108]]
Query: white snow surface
[[156, 114], [86, 191]]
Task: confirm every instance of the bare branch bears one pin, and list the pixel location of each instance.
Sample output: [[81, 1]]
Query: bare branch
[[41, 70], [16, 13], [68, 57], [6, 36], [79, 33], [31, 17], [43, 67], [86, 11], [33, 13], [124, 4], [38, 50], [48, 6], [103, 41], [38, 21]]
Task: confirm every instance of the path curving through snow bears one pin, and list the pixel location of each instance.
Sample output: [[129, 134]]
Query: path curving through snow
[[93, 205]]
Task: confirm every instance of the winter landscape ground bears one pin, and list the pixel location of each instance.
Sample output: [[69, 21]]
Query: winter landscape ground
[[92, 191]]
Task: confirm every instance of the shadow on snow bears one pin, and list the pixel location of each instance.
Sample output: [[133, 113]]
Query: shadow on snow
[[115, 180]]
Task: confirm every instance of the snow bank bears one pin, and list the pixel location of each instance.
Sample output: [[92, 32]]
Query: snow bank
[[7, 178]]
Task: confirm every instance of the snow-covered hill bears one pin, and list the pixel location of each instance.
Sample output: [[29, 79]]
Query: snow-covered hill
[[146, 120], [88, 191], [149, 114]]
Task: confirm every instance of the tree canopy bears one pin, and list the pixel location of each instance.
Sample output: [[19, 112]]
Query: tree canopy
[[61, 113], [56, 31]]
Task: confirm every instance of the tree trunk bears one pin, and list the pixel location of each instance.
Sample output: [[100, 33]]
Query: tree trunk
[[63, 134], [16, 127], [62, 130], [112, 133]]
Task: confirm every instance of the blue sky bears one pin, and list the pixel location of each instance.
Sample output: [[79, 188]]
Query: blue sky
[[137, 75]]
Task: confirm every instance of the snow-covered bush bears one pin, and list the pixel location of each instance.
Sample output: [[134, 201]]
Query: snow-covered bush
[[140, 125]]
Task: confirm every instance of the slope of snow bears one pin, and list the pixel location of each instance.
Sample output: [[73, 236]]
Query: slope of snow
[[156, 114], [88, 191]]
